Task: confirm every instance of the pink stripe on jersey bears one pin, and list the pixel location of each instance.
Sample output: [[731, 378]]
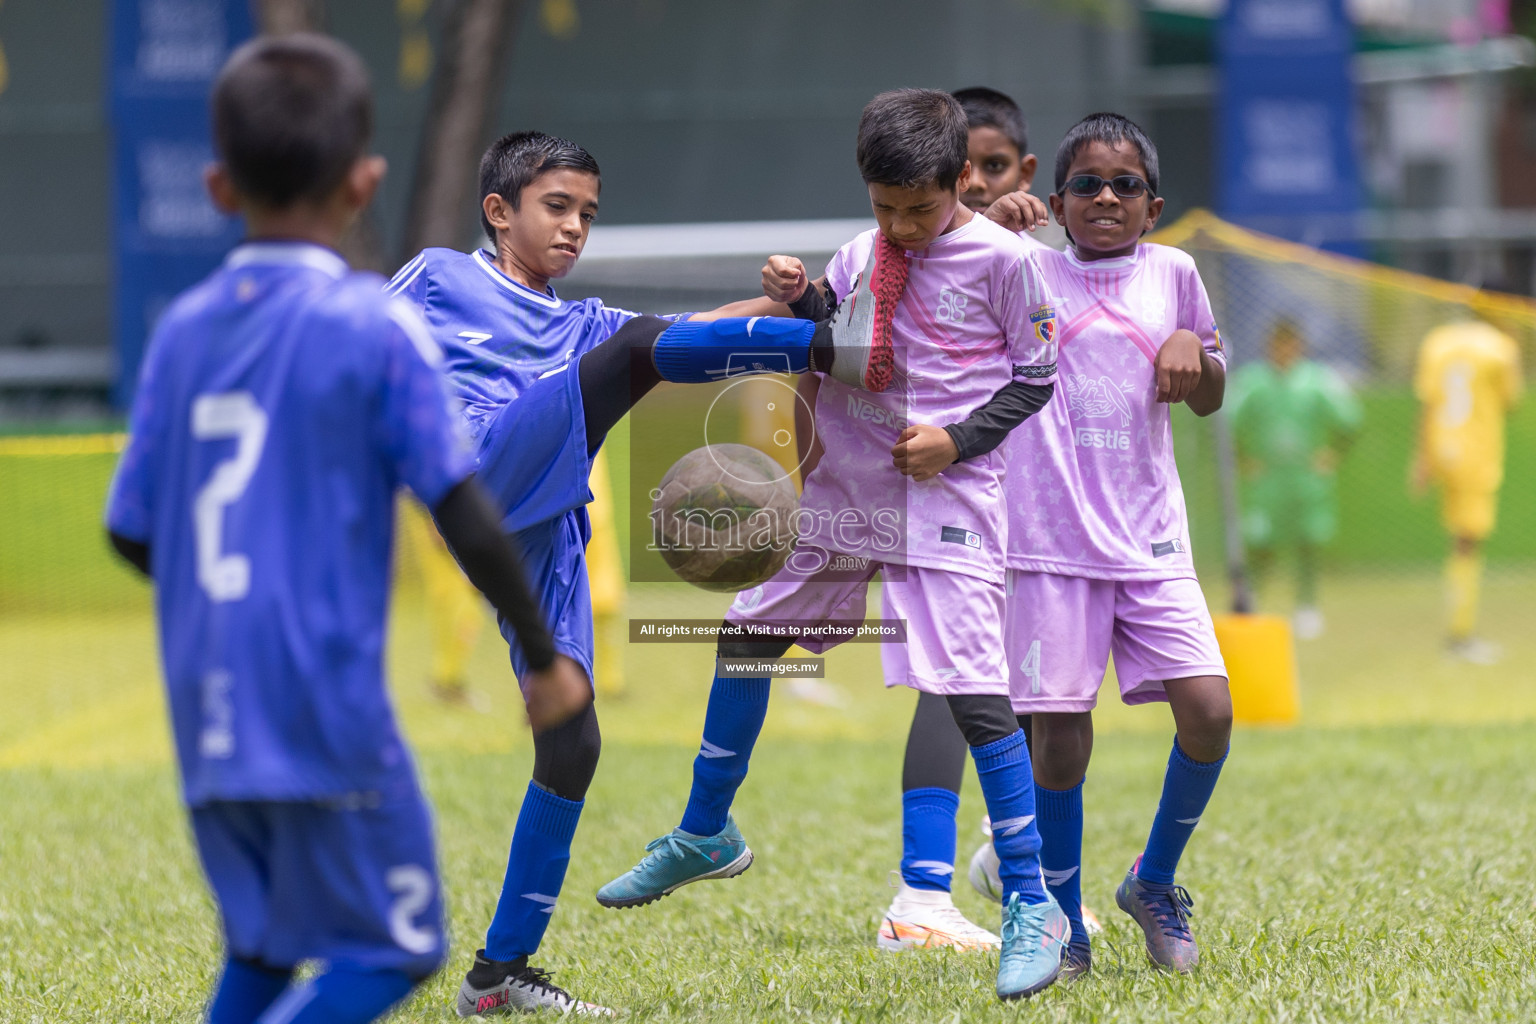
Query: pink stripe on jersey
[[1092, 486], [1098, 311]]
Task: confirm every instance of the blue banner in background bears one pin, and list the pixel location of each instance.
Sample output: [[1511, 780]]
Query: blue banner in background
[[167, 235], [1286, 121]]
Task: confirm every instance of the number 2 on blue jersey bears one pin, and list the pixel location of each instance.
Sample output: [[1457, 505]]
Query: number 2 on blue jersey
[[218, 417]]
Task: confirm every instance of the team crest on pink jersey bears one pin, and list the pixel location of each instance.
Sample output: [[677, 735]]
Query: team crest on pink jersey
[[1044, 321]]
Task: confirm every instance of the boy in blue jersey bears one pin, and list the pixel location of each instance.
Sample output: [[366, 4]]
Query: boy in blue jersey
[[282, 403], [543, 380]]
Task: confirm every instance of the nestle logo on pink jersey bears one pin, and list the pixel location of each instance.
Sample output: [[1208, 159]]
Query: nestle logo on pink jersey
[[861, 408], [1099, 399], [1097, 437]]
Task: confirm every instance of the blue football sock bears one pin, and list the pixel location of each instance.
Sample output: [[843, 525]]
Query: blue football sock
[[541, 851], [1061, 850], [1187, 789], [737, 708], [342, 995], [245, 990], [700, 351], [928, 837], [1006, 782]]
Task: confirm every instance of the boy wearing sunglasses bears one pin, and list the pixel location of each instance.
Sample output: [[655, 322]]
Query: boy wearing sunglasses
[[1098, 548]]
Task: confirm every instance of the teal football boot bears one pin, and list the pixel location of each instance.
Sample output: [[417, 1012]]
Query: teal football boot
[[673, 861], [1034, 938]]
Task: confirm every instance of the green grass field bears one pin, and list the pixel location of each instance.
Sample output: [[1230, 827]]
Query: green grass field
[[1376, 862]]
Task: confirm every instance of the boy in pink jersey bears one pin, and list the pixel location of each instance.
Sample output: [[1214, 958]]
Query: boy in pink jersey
[[910, 484], [922, 913], [1098, 546]]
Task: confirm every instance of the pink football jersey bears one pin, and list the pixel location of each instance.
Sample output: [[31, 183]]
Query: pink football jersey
[[1092, 486], [973, 317]]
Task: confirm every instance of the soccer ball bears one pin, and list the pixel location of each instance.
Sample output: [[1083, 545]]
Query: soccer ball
[[724, 517]]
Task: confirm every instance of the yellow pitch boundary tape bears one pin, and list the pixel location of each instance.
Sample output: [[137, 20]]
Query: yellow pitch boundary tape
[[63, 444]]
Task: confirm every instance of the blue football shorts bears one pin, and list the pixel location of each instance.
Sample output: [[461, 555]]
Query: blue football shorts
[[533, 454], [555, 557], [353, 882], [533, 459]]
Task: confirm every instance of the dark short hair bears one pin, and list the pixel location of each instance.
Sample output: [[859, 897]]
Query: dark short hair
[[514, 161], [291, 115], [1110, 129], [912, 138], [988, 108]]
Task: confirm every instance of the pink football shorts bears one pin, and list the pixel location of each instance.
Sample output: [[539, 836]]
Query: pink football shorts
[[1061, 631], [954, 622]]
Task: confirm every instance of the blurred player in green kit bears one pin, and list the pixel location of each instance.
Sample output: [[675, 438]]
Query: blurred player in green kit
[[1293, 418]]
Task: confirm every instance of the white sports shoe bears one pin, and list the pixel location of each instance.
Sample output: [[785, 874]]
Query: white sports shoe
[[929, 919], [983, 872], [494, 988], [985, 879], [1475, 651], [1308, 623]]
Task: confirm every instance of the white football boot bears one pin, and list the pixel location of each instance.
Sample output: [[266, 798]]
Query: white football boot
[[985, 879], [929, 919], [496, 988]]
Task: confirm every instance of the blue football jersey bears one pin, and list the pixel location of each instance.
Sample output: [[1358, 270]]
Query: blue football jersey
[[498, 336], [282, 403]]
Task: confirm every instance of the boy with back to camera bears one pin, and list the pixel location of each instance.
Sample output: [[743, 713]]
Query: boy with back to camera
[[955, 390], [1098, 543], [283, 400]]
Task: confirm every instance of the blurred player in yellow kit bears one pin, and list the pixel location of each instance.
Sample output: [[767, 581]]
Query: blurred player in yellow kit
[[1467, 381]]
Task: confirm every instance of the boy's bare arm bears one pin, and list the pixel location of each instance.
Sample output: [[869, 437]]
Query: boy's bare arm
[[924, 451], [746, 307], [784, 281], [1019, 211], [1187, 373]]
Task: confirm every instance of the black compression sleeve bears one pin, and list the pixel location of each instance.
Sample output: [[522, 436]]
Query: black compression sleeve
[[616, 374], [985, 428], [468, 521], [814, 303], [935, 748], [135, 552], [982, 718]]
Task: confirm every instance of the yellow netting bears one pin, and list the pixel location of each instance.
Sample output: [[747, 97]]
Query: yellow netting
[[1255, 278]]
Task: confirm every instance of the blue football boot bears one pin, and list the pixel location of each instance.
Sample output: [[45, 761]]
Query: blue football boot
[[1163, 913]]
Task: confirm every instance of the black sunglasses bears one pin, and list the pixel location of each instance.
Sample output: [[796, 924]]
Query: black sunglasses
[[1126, 186]]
